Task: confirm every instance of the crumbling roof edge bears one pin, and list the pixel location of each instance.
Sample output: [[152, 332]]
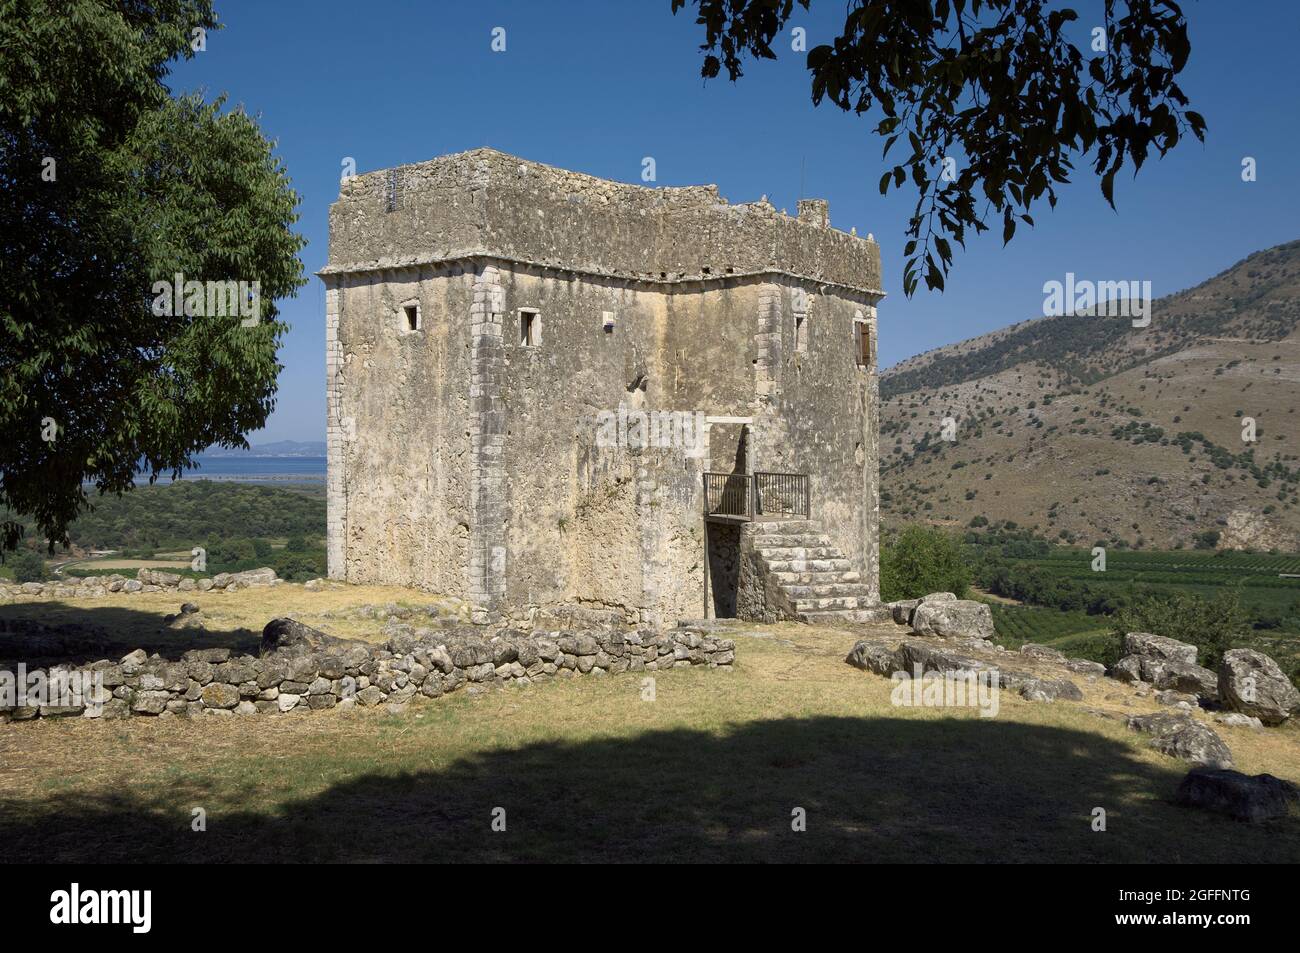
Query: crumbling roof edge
[[394, 264]]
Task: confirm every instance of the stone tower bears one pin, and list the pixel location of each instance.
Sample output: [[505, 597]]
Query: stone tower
[[532, 374]]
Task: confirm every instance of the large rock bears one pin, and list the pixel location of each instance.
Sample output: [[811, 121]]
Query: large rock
[[873, 657], [291, 637], [1050, 689], [1245, 797], [1043, 652], [1083, 666], [1191, 679], [954, 618], [1159, 647], [1127, 669], [1252, 683], [902, 610], [914, 656], [1181, 736], [255, 577], [156, 577]]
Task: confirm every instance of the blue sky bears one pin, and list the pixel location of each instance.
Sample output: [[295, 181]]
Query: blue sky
[[596, 85]]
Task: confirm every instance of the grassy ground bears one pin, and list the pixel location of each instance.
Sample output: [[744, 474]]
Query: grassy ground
[[710, 770], [233, 621]]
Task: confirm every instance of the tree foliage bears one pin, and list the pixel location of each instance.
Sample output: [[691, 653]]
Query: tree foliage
[[1212, 625], [921, 560], [108, 185], [996, 87]]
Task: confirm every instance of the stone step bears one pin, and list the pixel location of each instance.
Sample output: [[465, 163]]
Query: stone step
[[814, 604], [809, 565], [808, 577], [799, 552], [845, 616], [769, 541], [785, 527], [826, 590]]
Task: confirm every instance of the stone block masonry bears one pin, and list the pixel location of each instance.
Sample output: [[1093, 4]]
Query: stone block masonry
[[479, 330], [415, 663]]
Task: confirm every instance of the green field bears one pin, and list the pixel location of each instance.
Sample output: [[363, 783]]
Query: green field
[[1271, 601], [1257, 576]]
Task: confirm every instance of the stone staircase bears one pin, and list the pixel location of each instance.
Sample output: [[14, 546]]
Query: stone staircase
[[812, 578]]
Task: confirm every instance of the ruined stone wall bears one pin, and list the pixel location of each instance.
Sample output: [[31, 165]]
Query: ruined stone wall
[[486, 202], [417, 664], [822, 417], [400, 452], [614, 524]]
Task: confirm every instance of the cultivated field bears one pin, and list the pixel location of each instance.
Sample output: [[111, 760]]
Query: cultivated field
[[710, 769]]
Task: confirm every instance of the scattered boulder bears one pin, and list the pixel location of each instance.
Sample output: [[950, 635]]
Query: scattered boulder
[[1177, 700], [953, 618], [1251, 798], [291, 637], [1235, 719], [1083, 666], [1160, 647], [1185, 677], [921, 656], [1252, 683], [902, 610], [1043, 652], [1050, 689], [1127, 669], [873, 657], [1181, 736]]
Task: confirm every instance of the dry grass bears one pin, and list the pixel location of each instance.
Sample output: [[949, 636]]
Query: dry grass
[[711, 769]]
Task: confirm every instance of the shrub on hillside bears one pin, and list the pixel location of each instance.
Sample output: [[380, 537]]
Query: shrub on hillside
[[27, 565], [1212, 625], [921, 560]]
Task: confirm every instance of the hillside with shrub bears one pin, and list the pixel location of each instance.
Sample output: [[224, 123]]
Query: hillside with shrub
[[1087, 430]]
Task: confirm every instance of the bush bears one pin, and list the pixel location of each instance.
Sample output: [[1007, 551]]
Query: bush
[[921, 560], [1212, 625], [300, 566], [27, 565]]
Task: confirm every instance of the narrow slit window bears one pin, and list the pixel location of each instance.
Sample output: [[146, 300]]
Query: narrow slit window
[[411, 314], [800, 333], [530, 329]]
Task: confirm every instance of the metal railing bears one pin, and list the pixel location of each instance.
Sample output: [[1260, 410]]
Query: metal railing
[[781, 494], [746, 496]]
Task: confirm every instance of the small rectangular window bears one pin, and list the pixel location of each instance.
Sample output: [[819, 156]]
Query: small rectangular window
[[862, 342], [412, 314], [800, 333], [530, 328]]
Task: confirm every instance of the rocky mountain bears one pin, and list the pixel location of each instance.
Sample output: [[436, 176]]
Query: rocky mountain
[[1182, 433]]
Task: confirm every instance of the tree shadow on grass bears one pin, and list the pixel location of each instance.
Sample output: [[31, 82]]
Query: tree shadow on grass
[[872, 789], [75, 635]]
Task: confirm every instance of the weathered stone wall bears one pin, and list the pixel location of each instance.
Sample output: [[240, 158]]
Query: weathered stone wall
[[486, 202], [417, 662], [146, 580], [465, 461], [401, 453]]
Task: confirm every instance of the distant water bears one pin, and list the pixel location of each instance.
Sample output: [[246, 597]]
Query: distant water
[[255, 470]]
